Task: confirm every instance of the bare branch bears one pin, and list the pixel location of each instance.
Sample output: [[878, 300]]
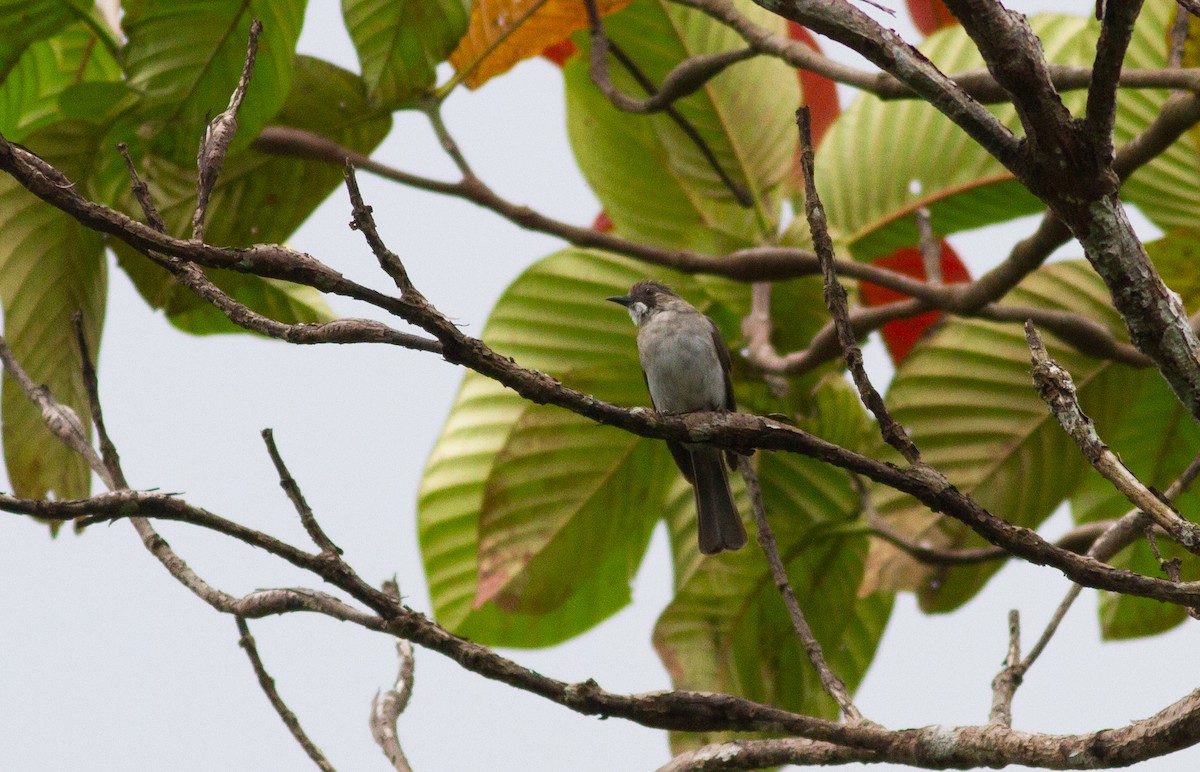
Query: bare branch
[[142, 193], [835, 300], [218, 135], [246, 641], [1116, 31], [931, 249], [740, 193], [1058, 392], [289, 485], [732, 431], [762, 754], [60, 419], [363, 221], [830, 681], [386, 709], [684, 79], [1005, 684], [1078, 539]]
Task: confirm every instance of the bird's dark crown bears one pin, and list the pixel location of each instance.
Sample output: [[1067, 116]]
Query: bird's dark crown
[[647, 291]]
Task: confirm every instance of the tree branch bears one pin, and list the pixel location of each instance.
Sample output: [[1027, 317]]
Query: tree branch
[[246, 641], [833, 685], [835, 300], [1057, 390]]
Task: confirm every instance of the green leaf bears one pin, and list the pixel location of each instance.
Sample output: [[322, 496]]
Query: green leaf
[[871, 186], [98, 102], [553, 318], [186, 57], [727, 630], [967, 397], [650, 178], [30, 95], [569, 506], [1156, 457], [400, 44], [259, 198], [493, 525], [50, 268], [24, 21]]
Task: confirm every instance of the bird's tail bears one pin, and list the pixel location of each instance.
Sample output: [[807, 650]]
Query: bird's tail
[[717, 518]]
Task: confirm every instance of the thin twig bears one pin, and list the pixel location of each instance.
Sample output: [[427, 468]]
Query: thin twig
[[1057, 390], [1178, 38], [386, 709], [739, 192], [1117, 537], [61, 419], [344, 330], [109, 456], [835, 300], [830, 681], [142, 193], [931, 249], [1005, 684], [364, 222], [684, 79], [218, 136], [246, 641], [1078, 539], [290, 486]]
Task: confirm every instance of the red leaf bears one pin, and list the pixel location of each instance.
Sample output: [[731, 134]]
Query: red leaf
[[602, 224], [902, 334], [820, 93], [560, 52], [929, 16]]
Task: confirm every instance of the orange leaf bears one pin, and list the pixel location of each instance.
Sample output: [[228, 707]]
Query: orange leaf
[[603, 223], [503, 32], [929, 16], [902, 334], [560, 52]]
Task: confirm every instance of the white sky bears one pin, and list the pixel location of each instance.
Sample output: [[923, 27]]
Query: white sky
[[107, 664]]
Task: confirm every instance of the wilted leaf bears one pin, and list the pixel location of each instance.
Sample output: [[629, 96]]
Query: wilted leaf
[[901, 335], [504, 32], [929, 16]]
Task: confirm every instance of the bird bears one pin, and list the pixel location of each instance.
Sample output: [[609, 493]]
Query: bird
[[686, 366]]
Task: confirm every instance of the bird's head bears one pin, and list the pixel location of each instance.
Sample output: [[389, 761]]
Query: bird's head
[[645, 299]]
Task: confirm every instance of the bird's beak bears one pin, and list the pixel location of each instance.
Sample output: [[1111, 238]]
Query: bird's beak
[[624, 300]]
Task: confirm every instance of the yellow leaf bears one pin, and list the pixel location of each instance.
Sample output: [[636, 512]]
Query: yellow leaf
[[503, 32]]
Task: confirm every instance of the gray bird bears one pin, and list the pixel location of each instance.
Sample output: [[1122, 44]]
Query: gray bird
[[686, 366]]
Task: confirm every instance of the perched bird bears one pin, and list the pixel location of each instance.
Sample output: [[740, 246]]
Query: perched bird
[[686, 366]]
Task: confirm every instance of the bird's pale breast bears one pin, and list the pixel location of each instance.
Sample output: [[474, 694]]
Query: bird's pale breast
[[682, 368]]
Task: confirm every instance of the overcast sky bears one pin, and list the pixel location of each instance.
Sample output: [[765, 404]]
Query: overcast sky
[[107, 664]]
